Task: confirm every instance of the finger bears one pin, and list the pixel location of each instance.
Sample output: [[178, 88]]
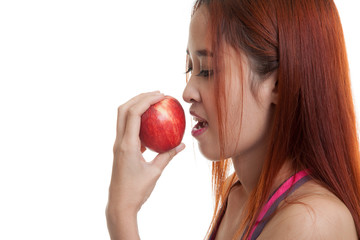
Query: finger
[[123, 109], [133, 120], [163, 159]]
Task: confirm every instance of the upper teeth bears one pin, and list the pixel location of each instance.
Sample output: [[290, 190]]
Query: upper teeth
[[198, 119]]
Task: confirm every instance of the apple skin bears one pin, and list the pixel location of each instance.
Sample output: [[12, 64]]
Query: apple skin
[[163, 125]]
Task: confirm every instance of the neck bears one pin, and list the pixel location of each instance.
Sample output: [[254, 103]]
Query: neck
[[248, 169]]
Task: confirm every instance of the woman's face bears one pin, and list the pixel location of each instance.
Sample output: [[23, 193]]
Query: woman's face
[[199, 92]]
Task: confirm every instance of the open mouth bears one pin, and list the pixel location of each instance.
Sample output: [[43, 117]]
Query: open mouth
[[200, 124], [200, 127]]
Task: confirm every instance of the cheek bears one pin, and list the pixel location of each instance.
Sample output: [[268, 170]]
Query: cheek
[[254, 131], [209, 146]]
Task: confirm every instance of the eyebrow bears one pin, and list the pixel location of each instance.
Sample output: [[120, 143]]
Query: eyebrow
[[201, 53]]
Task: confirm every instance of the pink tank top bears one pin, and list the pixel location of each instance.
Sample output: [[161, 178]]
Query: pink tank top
[[285, 189]]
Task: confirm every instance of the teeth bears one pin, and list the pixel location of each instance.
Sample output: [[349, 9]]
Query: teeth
[[196, 119], [201, 125]]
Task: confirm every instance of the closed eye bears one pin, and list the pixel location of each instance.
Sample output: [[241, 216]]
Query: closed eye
[[205, 73]]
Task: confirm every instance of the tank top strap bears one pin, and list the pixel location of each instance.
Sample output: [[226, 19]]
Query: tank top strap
[[285, 189]]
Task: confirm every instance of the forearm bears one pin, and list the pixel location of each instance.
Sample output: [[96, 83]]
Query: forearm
[[122, 225]]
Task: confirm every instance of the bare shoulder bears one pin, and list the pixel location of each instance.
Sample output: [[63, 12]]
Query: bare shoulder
[[313, 213]]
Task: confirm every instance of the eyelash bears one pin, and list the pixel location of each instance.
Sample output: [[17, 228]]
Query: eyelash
[[203, 73]]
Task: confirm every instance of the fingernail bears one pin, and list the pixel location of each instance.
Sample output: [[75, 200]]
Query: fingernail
[[180, 147], [158, 93]]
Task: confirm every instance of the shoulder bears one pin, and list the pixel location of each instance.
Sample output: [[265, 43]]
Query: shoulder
[[314, 213]]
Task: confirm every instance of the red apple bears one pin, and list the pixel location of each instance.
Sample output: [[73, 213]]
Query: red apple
[[163, 125]]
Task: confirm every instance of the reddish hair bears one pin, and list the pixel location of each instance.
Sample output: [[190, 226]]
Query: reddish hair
[[315, 124]]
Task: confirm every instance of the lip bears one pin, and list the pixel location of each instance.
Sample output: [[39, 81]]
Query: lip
[[197, 132], [192, 113]]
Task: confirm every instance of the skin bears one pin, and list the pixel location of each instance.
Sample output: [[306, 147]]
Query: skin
[[322, 216]]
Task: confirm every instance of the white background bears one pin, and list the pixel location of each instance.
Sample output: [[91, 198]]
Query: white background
[[65, 67]]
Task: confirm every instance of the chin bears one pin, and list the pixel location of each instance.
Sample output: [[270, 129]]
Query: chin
[[210, 153]]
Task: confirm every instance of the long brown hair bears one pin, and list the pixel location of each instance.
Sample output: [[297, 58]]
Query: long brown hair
[[315, 124]]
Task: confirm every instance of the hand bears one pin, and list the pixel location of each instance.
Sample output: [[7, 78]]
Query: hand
[[133, 179]]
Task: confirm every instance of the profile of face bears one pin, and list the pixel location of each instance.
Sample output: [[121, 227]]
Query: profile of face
[[247, 130]]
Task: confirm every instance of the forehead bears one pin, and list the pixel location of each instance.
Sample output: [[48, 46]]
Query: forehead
[[199, 32]]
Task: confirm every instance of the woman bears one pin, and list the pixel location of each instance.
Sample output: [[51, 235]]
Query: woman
[[268, 82]]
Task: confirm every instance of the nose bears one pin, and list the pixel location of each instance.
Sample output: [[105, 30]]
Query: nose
[[191, 92]]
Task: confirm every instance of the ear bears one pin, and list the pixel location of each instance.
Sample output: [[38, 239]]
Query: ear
[[274, 93], [273, 87]]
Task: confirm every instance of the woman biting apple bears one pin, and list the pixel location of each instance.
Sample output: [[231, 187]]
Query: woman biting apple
[[268, 85]]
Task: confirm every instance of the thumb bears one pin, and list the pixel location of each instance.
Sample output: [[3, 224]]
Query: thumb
[[163, 159]]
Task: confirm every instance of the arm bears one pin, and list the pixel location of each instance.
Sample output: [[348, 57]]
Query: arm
[[133, 178], [122, 224]]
